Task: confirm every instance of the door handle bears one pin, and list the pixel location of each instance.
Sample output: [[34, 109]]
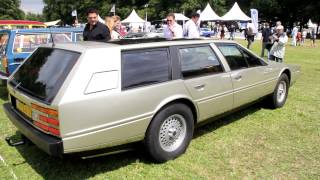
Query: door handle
[[200, 87], [237, 77]]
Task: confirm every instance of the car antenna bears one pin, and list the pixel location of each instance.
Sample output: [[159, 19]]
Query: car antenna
[[53, 44]]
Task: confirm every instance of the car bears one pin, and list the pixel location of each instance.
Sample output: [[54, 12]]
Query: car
[[206, 32], [156, 33], [81, 97], [16, 45]]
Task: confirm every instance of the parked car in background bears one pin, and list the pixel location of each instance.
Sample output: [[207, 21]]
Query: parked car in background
[[158, 33], [21, 24], [206, 32], [16, 45], [86, 96]]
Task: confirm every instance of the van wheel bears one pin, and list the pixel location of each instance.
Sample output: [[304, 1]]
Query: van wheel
[[278, 98], [170, 132]]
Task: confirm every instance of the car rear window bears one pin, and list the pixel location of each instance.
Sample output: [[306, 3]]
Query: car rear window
[[44, 72]]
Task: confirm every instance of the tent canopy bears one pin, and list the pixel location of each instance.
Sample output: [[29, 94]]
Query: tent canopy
[[235, 14], [52, 23], [133, 18], [179, 17], [209, 15]]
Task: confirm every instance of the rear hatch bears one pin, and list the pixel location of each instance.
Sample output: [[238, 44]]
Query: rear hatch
[[39, 79]]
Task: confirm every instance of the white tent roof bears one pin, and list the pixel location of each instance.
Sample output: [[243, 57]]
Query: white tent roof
[[235, 14], [133, 18], [208, 14], [179, 17], [52, 23]]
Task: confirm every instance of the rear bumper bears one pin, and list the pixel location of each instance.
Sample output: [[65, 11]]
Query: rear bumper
[[51, 145]]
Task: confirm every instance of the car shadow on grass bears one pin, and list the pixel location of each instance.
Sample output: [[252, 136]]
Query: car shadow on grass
[[77, 168]]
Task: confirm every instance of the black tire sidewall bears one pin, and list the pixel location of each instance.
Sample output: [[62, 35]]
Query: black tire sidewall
[[152, 136], [277, 104]]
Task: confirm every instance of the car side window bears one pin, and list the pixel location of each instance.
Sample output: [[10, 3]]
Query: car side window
[[234, 57], [140, 68], [252, 60], [199, 61]]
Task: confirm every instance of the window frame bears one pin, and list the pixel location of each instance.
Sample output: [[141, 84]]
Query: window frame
[[242, 51], [179, 58], [251, 54], [170, 71]]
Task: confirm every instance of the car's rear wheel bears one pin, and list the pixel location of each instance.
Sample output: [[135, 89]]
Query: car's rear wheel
[[170, 132], [278, 98]]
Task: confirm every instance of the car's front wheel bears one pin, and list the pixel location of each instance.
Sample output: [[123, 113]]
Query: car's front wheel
[[170, 132], [278, 98]]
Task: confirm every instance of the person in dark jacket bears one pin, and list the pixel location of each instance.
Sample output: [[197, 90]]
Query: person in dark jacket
[[94, 30], [266, 41]]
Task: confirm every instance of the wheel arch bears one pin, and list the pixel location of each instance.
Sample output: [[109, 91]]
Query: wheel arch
[[184, 100], [286, 72]]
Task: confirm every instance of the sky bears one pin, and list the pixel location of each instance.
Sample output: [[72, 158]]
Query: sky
[[34, 6]]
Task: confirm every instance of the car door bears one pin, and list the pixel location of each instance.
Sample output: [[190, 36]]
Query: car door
[[206, 80], [248, 73]]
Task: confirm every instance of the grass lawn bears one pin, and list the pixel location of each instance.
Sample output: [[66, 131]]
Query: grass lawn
[[256, 143]]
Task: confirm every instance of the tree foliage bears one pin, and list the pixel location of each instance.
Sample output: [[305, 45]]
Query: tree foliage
[[9, 9]]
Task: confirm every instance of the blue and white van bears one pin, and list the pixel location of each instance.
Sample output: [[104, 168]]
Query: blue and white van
[[18, 44]]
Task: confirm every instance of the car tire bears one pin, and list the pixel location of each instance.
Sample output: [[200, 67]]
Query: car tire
[[170, 132], [278, 98]]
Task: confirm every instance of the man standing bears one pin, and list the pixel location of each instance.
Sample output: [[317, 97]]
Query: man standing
[[277, 51], [266, 33], [232, 30], [294, 35], [172, 30], [192, 28], [250, 34], [94, 30]]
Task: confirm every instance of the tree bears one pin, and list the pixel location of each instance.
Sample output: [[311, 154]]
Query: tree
[[34, 17], [9, 9]]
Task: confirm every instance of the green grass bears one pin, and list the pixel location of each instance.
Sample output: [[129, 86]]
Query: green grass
[[256, 143]]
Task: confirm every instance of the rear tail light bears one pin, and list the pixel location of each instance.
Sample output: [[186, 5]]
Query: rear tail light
[[46, 119]]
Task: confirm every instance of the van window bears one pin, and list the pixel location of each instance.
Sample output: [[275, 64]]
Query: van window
[[199, 61], [26, 43], [44, 72], [141, 68]]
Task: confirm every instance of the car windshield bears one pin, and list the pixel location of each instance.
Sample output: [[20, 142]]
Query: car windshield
[[44, 72], [26, 43], [3, 42]]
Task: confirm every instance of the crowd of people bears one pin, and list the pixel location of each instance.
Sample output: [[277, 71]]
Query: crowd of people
[[274, 39]]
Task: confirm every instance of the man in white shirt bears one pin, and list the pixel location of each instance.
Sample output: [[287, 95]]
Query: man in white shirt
[[278, 50], [173, 30], [192, 28], [294, 35]]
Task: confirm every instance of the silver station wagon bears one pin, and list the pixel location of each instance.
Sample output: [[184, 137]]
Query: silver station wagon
[[77, 98]]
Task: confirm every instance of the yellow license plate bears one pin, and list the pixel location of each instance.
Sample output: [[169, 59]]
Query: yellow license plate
[[25, 109]]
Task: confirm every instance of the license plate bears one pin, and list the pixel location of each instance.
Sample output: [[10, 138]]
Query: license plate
[[25, 109]]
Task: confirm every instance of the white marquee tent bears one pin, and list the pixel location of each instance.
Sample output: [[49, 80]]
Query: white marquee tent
[[180, 17], [235, 14], [209, 15], [133, 18]]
